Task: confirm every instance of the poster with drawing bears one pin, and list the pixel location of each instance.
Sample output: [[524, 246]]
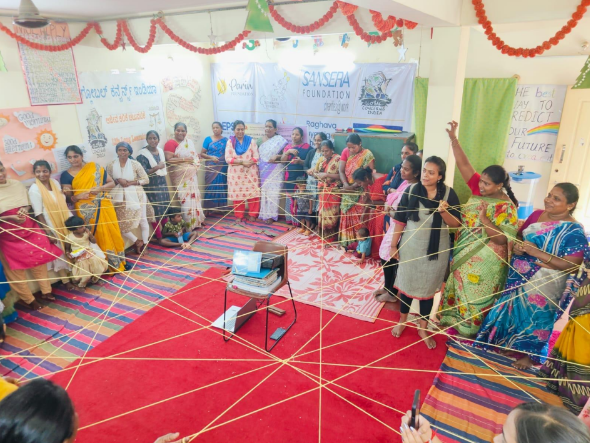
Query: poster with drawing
[[115, 108], [535, 122], [50, 76], [181, 96], [25, 137]]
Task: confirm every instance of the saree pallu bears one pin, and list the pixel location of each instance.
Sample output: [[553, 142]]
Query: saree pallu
[[184, 178], [351, 211], [99, 215], [272, 176], [522, 319], [329, 212], [329, 199], [216, 175], [568, 364], [479, 267]]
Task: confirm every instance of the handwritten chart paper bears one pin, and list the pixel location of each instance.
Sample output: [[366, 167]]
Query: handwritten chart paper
[[51, 76], [116, 108], [26, 136], [535, 122]]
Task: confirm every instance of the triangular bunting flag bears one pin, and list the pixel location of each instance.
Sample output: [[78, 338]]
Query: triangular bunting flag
[[583, 80], [258, 16]]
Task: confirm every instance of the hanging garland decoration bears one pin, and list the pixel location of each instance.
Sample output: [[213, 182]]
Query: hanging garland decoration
[[303, 29], [123, 28], [52, 48], [391, 22], [346, 9], [483, 20]]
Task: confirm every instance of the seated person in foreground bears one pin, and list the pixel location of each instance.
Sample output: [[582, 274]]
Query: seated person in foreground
[[175, 233]]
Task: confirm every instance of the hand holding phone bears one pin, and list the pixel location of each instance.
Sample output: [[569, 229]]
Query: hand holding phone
[[415, 409]]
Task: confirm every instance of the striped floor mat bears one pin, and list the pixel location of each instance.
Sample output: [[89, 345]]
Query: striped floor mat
[[44, 342], [471, 396]]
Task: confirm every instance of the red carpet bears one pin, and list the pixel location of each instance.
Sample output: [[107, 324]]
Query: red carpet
[[133, 380]]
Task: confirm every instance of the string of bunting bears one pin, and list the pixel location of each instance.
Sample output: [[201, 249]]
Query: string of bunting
[[123, 28], [383, 25], [483, 20]]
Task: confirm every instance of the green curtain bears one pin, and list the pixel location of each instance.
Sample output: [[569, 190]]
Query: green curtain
[[485, 122], [420, 99]]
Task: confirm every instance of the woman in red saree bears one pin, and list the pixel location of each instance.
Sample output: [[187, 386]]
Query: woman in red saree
[[326, 172], [374, 200], [353, 157], [23, 244]]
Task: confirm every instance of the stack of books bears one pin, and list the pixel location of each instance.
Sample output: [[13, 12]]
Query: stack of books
[[263, 282]]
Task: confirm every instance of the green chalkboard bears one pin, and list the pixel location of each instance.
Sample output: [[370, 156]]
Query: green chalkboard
[[387, 148]]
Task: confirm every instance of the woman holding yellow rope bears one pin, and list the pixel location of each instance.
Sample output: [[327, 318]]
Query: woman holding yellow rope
[[87, 184]]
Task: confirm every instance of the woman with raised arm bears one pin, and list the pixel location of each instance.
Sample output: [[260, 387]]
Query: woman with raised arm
[[183, 159], [243, 182], [424, 215], [480, 257], [553, 245], [272, 172]]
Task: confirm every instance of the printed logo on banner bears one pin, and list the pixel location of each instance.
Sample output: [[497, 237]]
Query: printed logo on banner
[[328, 86], [374, 98], [275, 99], [234, 87]]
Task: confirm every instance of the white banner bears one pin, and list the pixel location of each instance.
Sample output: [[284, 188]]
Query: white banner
[[535, 122], [319, 97], [117, 107]]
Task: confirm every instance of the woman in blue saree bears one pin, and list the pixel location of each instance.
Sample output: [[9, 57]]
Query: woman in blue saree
[[553, 246], [215, 169]]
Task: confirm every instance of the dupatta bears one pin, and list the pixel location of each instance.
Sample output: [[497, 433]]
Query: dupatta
[[56, 208], [353, 163]]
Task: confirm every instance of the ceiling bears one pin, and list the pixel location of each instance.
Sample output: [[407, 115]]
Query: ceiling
[[104, 9]]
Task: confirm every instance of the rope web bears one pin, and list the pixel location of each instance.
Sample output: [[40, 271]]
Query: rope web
[[297, 358]]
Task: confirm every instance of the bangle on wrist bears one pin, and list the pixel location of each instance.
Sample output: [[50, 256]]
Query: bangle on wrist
[[433, 434], [548, 261]]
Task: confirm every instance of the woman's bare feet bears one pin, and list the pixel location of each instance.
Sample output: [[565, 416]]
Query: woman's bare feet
[[69, 286], [428, 340], [252, 219], [523, 363], [138, 246], [382, 295], [269, 221], [397, 331]]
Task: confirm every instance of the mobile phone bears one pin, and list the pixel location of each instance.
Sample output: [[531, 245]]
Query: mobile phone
[[415, 409]]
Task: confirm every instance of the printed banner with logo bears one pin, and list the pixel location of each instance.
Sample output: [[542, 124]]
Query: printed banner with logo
[[320, 97], [115, 108], [535, 122]]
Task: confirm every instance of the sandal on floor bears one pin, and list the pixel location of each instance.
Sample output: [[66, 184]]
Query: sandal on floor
[[49, 297], [33, 306]]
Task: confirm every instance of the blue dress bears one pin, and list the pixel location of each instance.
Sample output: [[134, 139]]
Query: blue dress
[[215, 174]]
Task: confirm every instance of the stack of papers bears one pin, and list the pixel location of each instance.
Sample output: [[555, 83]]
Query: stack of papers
[[264, 278], [262, 290]]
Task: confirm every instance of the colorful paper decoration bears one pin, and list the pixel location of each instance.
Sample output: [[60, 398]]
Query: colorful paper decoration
[[345, 40], [251, 45], [318, 42], [583, 80], [371, 41], [258, 16], [402, 53]]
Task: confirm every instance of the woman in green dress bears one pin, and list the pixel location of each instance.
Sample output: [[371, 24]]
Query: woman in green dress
[[480, 258]]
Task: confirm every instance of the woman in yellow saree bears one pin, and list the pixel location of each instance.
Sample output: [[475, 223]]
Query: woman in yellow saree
[[86, 185]]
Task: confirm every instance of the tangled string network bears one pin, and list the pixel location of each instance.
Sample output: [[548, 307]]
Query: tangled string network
[[142, 271]]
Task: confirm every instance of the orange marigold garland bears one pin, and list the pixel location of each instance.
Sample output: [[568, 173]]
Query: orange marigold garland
[[483, 20], [346, 8]]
